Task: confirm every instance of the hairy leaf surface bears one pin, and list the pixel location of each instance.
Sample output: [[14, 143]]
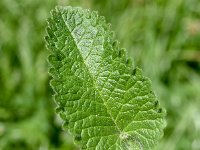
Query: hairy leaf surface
[[105, 103]]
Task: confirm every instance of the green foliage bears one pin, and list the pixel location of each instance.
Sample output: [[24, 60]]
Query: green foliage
[[161, 36], [104, 102]]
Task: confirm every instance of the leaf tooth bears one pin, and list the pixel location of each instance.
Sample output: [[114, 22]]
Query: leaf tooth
[[159, 110], [61, 42], [111, 34], [94, 18], [60, 100], [129, 62], [137, 72], [156, 103], [50, 32], [122, 55], [51, 24], [55, 61], [102, 21], [77, 138], [115, 45], [87, 13], [50, 42], [59, 109], [63, 115], [66, 124], [134, 72], [50, 47], [55, 84], [54, 73], [50, 38]]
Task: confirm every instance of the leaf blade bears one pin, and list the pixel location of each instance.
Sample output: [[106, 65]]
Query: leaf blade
[[101, 101]]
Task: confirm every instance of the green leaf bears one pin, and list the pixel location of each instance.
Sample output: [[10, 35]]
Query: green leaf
[[104, 102]]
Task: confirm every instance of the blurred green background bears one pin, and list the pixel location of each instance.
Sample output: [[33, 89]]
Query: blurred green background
[[163, 38]]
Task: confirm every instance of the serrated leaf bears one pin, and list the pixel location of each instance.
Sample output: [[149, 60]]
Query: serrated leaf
[[104, 102]]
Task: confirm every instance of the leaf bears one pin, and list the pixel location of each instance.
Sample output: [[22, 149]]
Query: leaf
[[104, 102]]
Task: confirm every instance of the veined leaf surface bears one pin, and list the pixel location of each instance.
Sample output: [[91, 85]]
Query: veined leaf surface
[[105, 103]]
